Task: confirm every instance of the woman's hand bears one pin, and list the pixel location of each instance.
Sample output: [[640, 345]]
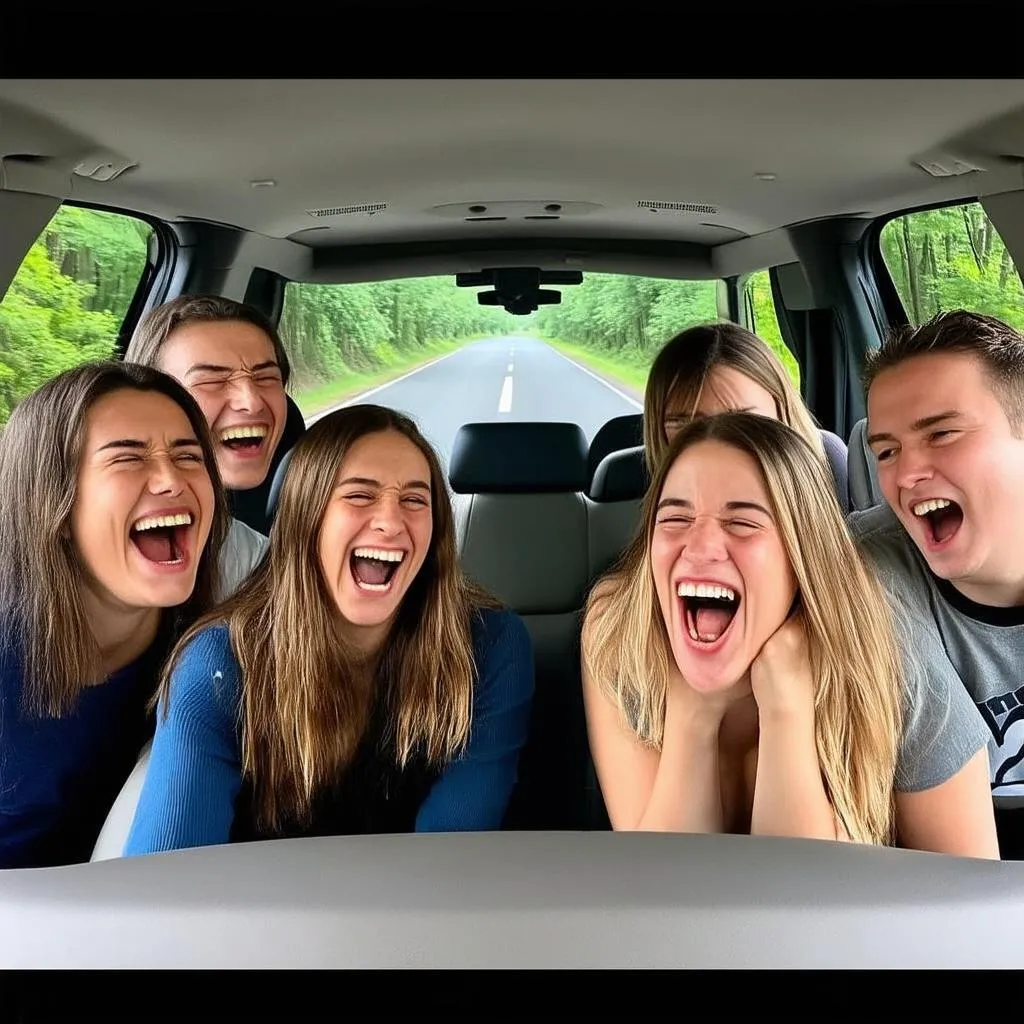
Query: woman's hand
[[780, 675]]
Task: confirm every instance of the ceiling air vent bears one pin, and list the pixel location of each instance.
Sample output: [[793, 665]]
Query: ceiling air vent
[[657, 207], [342, 211]]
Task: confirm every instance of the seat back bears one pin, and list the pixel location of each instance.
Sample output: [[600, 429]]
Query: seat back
[[523, 535], [863, 470], [835, 451]]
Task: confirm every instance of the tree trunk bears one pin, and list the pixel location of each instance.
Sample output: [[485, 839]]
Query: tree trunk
[[912, 280]]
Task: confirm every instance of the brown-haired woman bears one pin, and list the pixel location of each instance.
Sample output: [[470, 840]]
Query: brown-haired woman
[[110, 534], [357, 683], [713, 368]]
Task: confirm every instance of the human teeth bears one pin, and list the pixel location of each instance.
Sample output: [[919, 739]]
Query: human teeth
[[155, 522], [236, 433], [379, 554], [922, 508], [706, 590]]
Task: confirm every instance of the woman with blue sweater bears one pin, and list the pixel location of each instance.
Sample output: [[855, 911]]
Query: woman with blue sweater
[[112, 521], [357, 682]]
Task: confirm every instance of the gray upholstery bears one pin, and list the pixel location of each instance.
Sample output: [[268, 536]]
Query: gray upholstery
[[835, 450], [529, 548], [863, 470]]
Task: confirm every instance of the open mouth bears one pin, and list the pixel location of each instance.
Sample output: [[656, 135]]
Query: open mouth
[[246, 440], [942, 518], [708, 610], [374, 569], [161, 539]]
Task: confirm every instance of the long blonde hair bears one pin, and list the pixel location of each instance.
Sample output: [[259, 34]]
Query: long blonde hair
[[681, 370], [305, 699], [852, 635]]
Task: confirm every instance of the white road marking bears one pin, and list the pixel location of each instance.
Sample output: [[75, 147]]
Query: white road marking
[[590, 373], [510, 367], [505, 402]]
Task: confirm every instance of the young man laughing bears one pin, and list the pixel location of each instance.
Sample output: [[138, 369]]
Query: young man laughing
[[946, 425]]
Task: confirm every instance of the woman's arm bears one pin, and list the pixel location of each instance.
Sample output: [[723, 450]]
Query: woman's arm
[[194, 773], [789, 792], [675, 790], [473, 792]]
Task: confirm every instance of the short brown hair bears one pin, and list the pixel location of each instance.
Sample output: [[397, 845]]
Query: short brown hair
[[158, 324], [998, 346]]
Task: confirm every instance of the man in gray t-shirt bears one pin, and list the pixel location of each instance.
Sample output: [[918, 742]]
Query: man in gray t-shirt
[[946, 425], [959, 655]]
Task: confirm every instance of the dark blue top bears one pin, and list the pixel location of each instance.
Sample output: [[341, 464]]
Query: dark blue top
[[59, 776], [194, 793]]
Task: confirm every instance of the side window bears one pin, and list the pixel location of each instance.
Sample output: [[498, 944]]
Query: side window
[[764, 322], [952, 258], [69, 298]]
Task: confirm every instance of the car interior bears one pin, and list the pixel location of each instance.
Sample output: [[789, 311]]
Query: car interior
[[521, 192]]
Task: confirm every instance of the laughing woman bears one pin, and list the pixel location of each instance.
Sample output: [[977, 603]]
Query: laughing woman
[[112, 522], [742, 670], [357, 682]]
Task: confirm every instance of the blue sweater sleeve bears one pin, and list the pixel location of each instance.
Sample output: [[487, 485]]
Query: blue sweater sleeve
[[473, 792], [194, 771]]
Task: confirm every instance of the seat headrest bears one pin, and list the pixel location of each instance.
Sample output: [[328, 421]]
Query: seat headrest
[[275, 486], [620, 476], [865, 491], [523, 458], [619, 433]]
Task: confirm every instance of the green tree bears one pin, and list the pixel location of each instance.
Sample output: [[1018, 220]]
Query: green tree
[[952, 258], [69, 298]]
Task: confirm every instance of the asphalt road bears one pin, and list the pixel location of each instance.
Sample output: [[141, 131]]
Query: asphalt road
[[499, 379]]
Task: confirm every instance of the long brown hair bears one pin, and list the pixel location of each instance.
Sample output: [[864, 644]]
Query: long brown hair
[[852, 634], [41, 574], [305, 704], [681, 370]]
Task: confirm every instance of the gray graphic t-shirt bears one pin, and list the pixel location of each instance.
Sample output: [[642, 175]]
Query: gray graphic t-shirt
[[964, 660]]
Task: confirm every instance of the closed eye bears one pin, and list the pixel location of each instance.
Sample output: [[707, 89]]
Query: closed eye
[[679, 520], [742, 524]]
